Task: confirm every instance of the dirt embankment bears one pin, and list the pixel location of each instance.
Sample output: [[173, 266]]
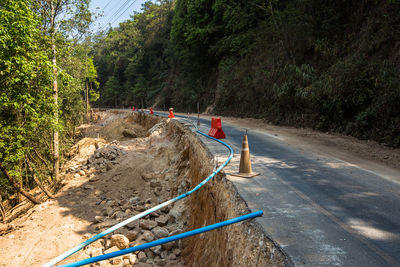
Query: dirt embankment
[[242, 244], [111, 177]]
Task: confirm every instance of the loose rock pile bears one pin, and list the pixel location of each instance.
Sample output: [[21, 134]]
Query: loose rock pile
[[158, 129], [115, 206], [101, 161], [157, 225]]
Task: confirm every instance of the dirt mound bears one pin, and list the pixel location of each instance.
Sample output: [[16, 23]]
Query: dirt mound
[[112, 125], [114, 129]]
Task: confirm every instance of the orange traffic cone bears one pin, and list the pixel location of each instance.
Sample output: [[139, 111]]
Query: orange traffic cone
[[151, 111], [245, 164], [171, 113]]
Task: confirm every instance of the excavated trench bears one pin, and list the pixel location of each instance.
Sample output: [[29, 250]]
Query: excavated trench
[[242, 244], [128, 163]]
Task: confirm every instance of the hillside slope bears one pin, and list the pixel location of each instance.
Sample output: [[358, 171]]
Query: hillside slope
[[329, 66]]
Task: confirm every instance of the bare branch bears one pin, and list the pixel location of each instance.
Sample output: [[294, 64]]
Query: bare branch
[[2, 211], [41, 186], [17, 186]]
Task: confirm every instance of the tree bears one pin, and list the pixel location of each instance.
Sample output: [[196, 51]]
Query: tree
[[66, 17], [25, 72], [91, 84], [132, 60]]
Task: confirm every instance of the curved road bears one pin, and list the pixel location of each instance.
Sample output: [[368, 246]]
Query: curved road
[[321, 211]]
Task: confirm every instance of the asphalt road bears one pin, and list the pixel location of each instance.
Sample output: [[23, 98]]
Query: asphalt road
[[321, 211]]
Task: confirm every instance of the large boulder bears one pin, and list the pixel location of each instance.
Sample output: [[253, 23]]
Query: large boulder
[[131, 257], [142, 256], [112, 249], [162, 220], [119, 241], [129, 133], [148, 236], [132, 235], [147, 224], [160, 232]]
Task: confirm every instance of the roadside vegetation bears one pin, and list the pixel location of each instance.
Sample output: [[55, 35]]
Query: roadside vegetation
[[45, 75]]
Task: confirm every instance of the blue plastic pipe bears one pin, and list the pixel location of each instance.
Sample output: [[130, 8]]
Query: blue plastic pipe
[[144, 213], [165, 240]]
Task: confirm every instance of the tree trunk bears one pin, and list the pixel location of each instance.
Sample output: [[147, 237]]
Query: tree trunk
[[2, 211], [56, 156], [90, 108], [87, 100], [19, 196], [17, 187], [41, 186]]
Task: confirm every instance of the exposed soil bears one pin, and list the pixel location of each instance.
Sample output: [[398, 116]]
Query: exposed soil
[[243, 244], [105, 182], [111, 177]]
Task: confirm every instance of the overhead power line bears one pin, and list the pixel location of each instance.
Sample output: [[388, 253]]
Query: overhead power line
[[109, 2], [124, 12], [120, 9], [115, 13]]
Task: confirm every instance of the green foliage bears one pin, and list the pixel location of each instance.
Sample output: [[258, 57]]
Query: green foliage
[[193, 30], [360, 97], [92, 79], [24, 80], [131, 60], [112, 87], [27, 107], [25, 95], [327, 65]]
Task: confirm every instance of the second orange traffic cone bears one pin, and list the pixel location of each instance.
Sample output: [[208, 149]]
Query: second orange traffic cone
[[171, 113]]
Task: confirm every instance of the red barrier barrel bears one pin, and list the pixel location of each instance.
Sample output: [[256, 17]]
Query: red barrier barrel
[[216, 129]]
